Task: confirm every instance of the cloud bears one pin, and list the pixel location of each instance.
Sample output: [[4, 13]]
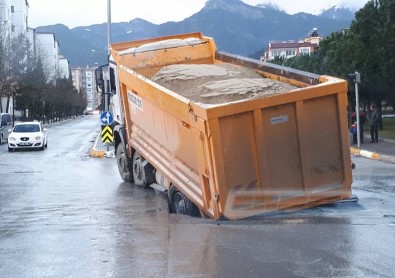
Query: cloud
[[354, 4]]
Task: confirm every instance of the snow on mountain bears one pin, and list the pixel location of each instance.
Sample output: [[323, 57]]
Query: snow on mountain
[[270, 5], [339, 12], [342, 8]]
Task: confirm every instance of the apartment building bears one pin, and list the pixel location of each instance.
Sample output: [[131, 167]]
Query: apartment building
[[14, 16], [84, 81], [20, 16], [5, 19], [14, 20], [289, 49], [64, 70], [47, 49]]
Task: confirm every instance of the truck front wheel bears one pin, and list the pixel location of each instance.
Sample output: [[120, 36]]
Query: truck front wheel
[[180, 204], [143, 172], [123, 163]]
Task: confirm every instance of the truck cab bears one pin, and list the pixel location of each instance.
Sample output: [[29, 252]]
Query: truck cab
[[108, 85]]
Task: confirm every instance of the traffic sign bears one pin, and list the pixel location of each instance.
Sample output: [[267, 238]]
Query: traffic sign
[[106, 134], [106, 118]]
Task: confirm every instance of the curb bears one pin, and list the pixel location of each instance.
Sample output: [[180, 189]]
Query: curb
[[96, 153], [367, 154], [372, 155]]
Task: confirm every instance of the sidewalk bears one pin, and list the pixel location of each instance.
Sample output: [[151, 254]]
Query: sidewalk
[[384, 150]]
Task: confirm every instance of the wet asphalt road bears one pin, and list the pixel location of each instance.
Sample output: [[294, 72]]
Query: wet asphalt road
[[65, 214]]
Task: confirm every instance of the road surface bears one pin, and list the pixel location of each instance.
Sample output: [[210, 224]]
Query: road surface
[[66, 214]]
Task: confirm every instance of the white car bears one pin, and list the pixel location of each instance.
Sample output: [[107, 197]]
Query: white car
[[27, 135]]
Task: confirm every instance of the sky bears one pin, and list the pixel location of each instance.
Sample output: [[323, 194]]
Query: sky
[[73, 13]]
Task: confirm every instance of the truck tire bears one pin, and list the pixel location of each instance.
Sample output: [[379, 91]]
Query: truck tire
[[180, 204], [123, 163], [143, 172]]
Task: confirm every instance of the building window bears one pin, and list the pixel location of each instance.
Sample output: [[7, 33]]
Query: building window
[[12, 28], [12, 9], [89, 85], [290, 52], [89, 79], [276, 53], [89, 74]]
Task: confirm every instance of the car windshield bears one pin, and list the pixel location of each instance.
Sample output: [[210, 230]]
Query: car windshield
[[27, 128]]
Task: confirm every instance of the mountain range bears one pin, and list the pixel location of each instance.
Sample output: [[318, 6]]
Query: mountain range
[[235, 26]]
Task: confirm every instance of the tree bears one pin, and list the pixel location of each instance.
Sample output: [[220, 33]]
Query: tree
[[374, 28], [38, 94], [367, 47], [16, 57], [31, 92], [21, 55]]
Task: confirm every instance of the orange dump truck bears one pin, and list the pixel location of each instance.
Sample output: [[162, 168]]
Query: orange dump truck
[[227, 136]]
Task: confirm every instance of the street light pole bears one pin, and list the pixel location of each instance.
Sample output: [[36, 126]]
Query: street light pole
[[13, 109], [107, 74], [109, 25], [356, 78], [357, 111], [107, 81]]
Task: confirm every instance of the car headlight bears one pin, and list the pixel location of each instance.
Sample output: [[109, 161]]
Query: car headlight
[[11, 138], [37, 138]]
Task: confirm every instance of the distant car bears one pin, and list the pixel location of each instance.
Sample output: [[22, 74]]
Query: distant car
[[5, 124], [27, 135]]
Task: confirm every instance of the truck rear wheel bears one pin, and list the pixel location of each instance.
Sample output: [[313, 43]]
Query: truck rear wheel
[[143, 172], [123, 163], [180, 204]]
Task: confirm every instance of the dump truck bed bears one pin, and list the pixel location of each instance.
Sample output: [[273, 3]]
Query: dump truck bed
[[240, 157]]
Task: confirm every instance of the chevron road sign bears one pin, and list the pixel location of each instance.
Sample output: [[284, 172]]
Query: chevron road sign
[[106, 134]]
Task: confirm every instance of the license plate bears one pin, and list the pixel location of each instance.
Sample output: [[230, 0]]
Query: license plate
[[24, 143]]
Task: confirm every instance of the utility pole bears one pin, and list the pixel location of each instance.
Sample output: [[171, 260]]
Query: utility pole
[[107, 74], [109, 25], [107, 81], [356, 78]]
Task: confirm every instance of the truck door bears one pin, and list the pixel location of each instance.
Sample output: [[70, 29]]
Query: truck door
[[108, 73], [115, 101]]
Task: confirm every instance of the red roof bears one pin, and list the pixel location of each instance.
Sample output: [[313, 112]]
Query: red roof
[[282, 45]]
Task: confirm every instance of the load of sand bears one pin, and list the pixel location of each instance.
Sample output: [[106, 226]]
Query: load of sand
[[219, 83]]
